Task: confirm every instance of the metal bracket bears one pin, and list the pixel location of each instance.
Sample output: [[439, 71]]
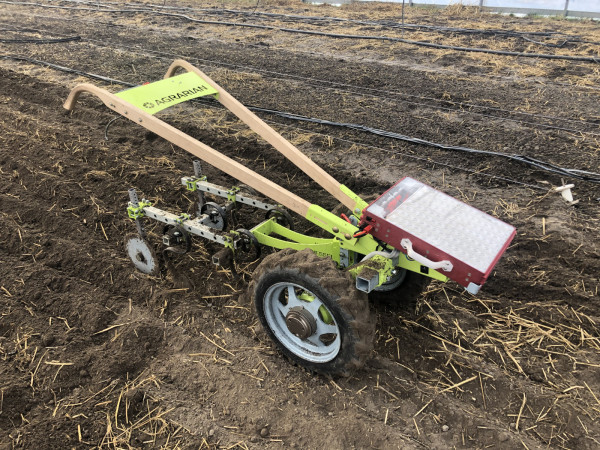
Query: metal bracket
[[137, 212], [191, 182], [192, 226], [182, 217], [231, 194], [373, 272], [359, 203]]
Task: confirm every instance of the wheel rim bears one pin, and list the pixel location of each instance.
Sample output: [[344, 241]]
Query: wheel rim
[[301, 322]]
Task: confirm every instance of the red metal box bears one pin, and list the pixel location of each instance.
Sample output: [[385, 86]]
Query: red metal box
[[438, 231]]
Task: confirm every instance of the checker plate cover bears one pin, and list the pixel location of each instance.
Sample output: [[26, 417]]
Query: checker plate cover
[[440, 228]]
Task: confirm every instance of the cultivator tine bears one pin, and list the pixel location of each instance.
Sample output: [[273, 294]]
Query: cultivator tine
[[224, 258]]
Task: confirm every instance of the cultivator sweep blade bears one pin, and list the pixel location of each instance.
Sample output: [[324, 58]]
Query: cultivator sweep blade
[[438, 231]]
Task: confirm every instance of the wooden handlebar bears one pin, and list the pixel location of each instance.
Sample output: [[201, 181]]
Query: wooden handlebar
[[282, 145], [193, 146]]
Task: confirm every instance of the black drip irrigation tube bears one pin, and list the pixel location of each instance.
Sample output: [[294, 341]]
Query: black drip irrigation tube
[[325, 34], [92, 76], [468, 106], [526, 35], [545, 166], [536, 163], [40, 41]]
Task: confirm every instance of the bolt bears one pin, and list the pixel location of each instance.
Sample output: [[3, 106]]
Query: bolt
[[347, 236], [335, 229]]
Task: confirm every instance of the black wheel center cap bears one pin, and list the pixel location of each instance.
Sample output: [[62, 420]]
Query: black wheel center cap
[[300, 322]]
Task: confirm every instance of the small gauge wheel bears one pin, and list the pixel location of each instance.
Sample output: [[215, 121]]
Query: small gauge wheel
[[282, 217], [217, 217], [247, 246], [142, 255], [177, 239]]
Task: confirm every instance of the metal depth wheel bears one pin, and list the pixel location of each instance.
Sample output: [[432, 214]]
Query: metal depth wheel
[[313, 312], [217, 216], [247, 246], [141, 254], [282, 217]]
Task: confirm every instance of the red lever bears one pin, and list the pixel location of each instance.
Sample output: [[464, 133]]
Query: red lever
[[362, 232]]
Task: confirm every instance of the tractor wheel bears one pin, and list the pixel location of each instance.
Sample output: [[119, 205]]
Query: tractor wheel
[[313, 312]]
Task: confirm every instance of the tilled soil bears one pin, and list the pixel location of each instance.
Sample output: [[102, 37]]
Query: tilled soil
[[95, 354]]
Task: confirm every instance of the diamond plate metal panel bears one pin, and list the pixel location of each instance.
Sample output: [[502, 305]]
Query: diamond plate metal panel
[[447, 224]]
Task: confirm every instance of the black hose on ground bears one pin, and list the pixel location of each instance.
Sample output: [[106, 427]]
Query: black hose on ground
[[545, 166], [40, 41], [538, 164], [332, 35], [381, 23]]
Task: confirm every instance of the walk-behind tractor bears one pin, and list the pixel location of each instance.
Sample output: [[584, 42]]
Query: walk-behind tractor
[[311, 294]]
